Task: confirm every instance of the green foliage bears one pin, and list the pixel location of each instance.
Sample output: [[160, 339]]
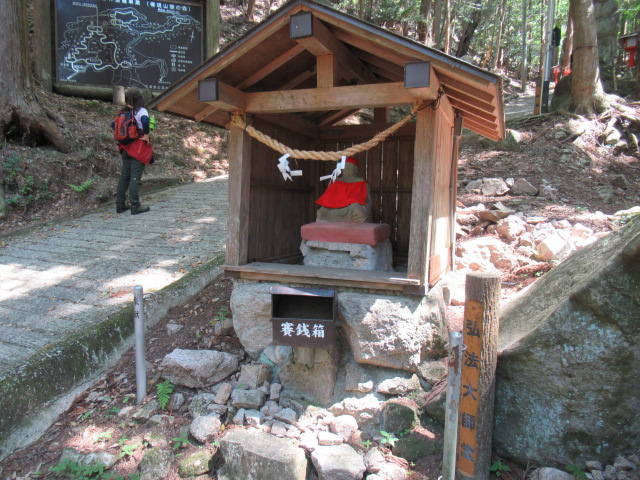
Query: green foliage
[[499, 467], [221, 315], [181, 441], [125, 448], [102, 436], [367, 444], [389, 438], [164, 391], [112, 411], [95, 471], [577, 472], [81, 188]]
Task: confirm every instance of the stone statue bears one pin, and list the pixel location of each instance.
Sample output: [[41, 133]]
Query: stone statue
[[347, 199]]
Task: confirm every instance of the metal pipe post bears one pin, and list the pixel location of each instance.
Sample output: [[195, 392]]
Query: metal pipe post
[[452, 407], [141, 367]]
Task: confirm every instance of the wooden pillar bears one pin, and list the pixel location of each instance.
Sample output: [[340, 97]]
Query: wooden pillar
[[480, 337], [212, 28], [422, 196], [239, 196]]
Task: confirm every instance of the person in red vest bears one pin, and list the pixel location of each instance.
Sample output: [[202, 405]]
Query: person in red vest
[[134, 157], [347, 199]]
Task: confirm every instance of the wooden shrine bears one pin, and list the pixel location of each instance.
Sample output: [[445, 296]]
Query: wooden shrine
[[294, 78]]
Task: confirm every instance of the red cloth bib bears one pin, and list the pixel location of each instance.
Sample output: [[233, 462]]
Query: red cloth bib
[[341, 194]]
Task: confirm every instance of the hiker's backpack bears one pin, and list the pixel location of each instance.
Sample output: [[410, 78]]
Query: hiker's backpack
[[125, 128]]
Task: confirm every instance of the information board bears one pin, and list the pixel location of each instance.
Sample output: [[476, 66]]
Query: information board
[[143, 43]]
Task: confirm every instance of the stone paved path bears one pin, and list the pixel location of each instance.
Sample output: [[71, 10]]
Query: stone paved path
[[58, 280]]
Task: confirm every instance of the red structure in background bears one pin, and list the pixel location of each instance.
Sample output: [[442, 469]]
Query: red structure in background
[[630, 45]]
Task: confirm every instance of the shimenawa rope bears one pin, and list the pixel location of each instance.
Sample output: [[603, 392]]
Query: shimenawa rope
[[237, 121]]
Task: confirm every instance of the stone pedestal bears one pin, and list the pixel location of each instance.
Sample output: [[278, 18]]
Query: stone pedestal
[[363, 246]]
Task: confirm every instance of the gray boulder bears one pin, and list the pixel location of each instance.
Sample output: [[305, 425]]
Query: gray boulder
[[337, 462], [198, 368], [580, 325], [250, 399], [417, 324], [155, 464], [255, 455], [251, 307]]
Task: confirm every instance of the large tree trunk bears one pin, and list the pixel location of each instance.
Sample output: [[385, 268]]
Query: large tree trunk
[[21, 116], [447, 27], [437, 23], [424, 24], [469, 31], [587, 95]]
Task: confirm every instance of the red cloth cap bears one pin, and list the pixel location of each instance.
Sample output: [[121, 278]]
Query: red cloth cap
[[352, 160]]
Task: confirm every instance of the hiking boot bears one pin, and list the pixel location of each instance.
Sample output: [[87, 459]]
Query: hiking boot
[[139, 209], [122, 207]]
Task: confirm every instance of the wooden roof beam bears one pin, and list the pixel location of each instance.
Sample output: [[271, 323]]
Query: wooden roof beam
[[336, 98], [336, 117], [313, 35], [271, 67]]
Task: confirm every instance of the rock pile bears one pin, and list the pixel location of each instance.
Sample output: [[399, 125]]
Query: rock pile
[[262, 429]]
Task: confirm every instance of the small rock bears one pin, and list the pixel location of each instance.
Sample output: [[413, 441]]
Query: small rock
[[391, 471], [328, 438], [223, 393], [308, 441], [553, 247], [593, 465], [511, 227], [145, 411], [274, 391], [176, 402], [254, 375], [610, 473], [254, 417], [548, 473], [374, 460], [399, 385], [218, 410], [621, 464], [193, 464], [197, 368], [278, 428], [492, 187], [344, 426], [200, 403], [339, 462], [94, 458], [155, 464], [250, 399], [270, 408], [238, 418], [523, 187], [205, 427], [287, 415], [173, 328]]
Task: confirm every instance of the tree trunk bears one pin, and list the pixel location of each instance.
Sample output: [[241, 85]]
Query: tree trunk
[[41, 43], [424, 34], [496, 55], [469, 31], [447, 27], [21, 116], [587, 95], [250, 7], [567, 46], [361, 9], [437, 23], [212, 45]]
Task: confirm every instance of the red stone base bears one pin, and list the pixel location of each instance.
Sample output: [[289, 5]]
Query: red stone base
[[346, 232]]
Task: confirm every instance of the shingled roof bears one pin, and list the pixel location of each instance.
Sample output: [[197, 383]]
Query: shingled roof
[[276, 65]]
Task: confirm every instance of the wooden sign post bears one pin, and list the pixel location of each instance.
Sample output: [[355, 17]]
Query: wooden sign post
[[480, 337]]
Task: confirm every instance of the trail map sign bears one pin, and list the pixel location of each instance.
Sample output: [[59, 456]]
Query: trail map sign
[[144, 43]]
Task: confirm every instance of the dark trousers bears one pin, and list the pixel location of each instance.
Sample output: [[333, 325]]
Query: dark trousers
[[130, 179]]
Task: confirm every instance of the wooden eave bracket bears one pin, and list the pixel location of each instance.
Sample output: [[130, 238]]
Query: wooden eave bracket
[[314, 36], [221, 95]]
